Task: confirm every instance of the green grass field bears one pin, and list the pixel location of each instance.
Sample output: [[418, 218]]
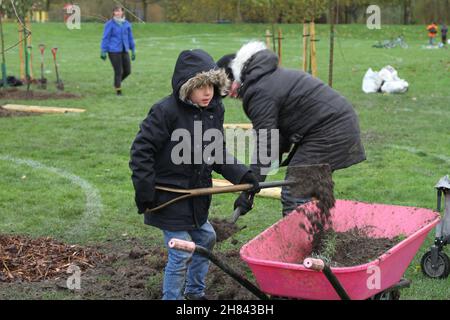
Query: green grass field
[[79, 188]]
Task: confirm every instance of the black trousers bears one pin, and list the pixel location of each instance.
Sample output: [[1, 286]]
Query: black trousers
[[122, 67]]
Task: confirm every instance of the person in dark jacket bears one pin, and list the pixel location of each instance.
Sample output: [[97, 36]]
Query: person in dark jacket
[[316, 125], [194, 108], [444, 31], [117, 41]]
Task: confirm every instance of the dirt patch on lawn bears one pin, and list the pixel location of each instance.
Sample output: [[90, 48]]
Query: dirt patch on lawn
[[224, 229], [352, 248], [9, 113], [129, 269], [20, 94]]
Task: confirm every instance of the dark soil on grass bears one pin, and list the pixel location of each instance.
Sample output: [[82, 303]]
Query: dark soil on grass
[[9, 114], [351, 248], [128, 269], [224, 229], [20, 94]]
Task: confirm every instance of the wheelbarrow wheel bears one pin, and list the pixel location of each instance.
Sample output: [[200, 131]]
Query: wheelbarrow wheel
[[440, 271], [388, 295]]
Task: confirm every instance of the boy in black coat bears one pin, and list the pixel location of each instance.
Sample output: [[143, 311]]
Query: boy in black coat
[[193, 109]]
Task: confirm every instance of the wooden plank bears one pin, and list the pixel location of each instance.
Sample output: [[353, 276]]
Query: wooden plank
[[245, 126], [305, 46], [37, 109], [273, 193], [313, 49]]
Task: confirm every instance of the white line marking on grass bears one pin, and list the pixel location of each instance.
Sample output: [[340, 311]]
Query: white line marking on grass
[[94, 204], [416, 151]]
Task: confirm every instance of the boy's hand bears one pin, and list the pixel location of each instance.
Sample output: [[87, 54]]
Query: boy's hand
[[133, 56], [245, 202], [250, 178], [103, 56]]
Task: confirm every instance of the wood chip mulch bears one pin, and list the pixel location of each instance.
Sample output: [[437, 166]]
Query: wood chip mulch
[[26, 259]]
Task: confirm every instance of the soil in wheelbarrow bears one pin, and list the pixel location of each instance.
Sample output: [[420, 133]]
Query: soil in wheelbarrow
[[351, 248], [126, 268]]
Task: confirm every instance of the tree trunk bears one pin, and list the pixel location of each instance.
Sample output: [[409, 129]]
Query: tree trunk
[[238, 11], [407, 12], [145, 9], [47, 6]]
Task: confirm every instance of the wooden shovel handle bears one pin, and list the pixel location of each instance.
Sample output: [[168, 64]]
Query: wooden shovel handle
[[190, 193], [208, 191], [54, 50]]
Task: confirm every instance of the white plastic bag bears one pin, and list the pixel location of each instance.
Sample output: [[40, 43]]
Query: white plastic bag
[[388, 73], [398, 86], [371, 82], [387, 80]]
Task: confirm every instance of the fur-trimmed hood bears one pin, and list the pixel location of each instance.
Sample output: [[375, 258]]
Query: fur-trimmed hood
[[194, 69], [217, 78], [243, 56]]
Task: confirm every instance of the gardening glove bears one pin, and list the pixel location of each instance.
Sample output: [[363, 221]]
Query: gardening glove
[[245, 202], [103, 56], [133, 56], [250, 178]]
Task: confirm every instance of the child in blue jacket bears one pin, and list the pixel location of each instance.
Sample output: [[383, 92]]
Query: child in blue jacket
[[117, 42]]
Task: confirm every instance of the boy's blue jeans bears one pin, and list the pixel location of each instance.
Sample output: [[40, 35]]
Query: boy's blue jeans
[[185, 273]]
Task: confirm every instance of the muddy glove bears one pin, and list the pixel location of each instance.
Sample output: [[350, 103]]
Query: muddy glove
[[250, 178], [103, 56], [244, 202]]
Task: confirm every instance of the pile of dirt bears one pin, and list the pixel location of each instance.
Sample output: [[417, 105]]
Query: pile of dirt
[[352, 248], [4, 113], [20, 94], [27, 259], [224, 229]]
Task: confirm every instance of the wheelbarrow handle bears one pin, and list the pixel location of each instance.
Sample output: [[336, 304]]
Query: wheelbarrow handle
[[191, 247], [314, 264], [182, 245], [321, 266]]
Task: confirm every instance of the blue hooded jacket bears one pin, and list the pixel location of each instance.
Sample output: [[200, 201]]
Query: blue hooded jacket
[[117, 38]]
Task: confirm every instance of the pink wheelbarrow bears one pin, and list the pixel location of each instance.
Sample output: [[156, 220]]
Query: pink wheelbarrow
[[279, 257]]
